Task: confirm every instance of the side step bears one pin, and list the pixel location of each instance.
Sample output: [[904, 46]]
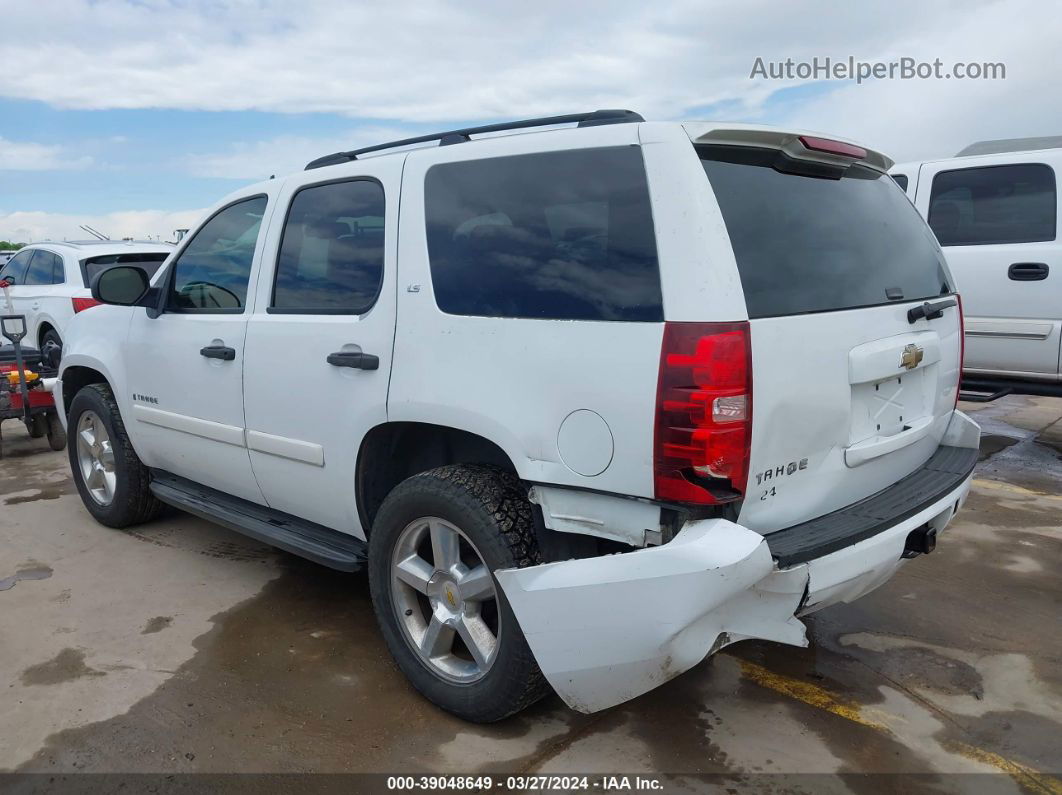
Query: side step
[[312, 541], [983, 396]]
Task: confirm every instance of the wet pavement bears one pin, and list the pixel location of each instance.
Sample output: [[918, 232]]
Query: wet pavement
[[182, 647]]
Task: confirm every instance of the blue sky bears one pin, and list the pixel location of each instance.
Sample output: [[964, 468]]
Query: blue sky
[[134, 116]]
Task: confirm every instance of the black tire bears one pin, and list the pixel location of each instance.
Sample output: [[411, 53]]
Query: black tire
[[51, 335], [38, 426], [491, 509], [133, 502], [56, 434]]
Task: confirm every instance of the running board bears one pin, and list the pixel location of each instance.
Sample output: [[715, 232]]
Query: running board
[[312, 541]]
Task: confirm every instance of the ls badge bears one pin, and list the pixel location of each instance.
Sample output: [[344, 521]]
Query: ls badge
[[911, 356]]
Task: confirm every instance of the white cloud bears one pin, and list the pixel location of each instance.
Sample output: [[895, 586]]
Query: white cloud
[[284, 154], [440, 61], [27, 227], [26, 156]]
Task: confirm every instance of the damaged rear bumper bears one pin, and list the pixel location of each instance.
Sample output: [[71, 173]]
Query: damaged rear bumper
[[610, 628]]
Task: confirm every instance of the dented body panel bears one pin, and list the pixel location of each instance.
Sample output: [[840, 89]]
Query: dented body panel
[[607, 629]]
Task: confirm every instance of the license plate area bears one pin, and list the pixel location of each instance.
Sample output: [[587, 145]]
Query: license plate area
[[889, 406]]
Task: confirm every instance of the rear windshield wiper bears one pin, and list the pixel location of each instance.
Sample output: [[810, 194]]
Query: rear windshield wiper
[[929, 311]]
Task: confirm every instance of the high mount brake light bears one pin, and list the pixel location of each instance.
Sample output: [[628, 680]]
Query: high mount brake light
[[703, 413], [80, 304], [833, 147]]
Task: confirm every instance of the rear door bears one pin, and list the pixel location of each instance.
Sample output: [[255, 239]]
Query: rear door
[[319, 342], [849, 393], [41, 288], [998, 224]]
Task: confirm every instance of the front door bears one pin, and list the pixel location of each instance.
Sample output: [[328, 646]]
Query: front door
[[185, 367], [998, 227], [319, 340]]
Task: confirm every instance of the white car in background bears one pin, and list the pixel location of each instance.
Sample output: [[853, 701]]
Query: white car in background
[[49, 282], [994, 209]]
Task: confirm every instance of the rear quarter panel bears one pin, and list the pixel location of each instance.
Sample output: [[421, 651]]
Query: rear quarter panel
[[514, 381]]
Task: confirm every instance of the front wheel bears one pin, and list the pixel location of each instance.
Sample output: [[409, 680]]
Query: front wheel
[[435, 544], [109, 476]]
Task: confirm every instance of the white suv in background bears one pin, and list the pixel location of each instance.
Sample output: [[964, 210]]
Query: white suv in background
[[994, 208], [49, 282], [589, 404]]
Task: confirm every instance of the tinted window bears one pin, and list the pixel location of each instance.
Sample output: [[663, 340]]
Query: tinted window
[[44, 268], [148, 262], [211, 274], [995, 204], [565, 235], [15, 269], [332, 253], [828, 240], [901, 180]]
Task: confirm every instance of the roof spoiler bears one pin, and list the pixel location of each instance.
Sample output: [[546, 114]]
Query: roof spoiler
[[801, 146]]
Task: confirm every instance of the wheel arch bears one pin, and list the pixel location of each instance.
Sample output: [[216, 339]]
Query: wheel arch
[[394, 451], [77, 377], [43, 327]]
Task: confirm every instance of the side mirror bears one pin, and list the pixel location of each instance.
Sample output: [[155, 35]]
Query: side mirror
[[122, 285]]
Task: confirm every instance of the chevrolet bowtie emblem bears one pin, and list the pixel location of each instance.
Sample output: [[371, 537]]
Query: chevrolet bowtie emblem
[[911, 356]]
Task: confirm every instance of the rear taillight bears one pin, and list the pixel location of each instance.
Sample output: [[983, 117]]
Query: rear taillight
[[83, 303], [962, 346], [703, 413]]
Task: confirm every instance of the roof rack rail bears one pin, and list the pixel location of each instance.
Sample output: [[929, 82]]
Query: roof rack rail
[[592, 119]]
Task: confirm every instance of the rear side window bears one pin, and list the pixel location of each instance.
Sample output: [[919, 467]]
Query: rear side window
[[46, 268], [554, 235], [147, 261], [212, 272], [332, 252], [994, 204], [809, 240], [901, 180]]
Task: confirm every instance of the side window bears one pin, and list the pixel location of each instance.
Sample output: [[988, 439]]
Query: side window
[[332, 250], [211, 274], [558, 235], [41, 268], [58, 270], [15, 269], [994, 204], [901, 180]]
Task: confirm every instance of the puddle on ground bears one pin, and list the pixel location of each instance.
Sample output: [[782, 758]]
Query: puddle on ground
[[156, 624], [66, 666], [29, 571]]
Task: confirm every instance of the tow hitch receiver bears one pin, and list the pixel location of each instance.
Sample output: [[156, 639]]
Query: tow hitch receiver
[[920, 541]]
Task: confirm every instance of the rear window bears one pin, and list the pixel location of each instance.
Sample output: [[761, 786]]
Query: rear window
[[554, 235], [994, 204], [809, 239], [149, 262]]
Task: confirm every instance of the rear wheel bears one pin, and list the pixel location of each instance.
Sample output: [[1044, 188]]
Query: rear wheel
[[435, 544], [110, 478]]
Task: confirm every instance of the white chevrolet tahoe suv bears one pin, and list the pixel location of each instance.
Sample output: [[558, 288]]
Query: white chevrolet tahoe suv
[[589, 403], [994, 208]]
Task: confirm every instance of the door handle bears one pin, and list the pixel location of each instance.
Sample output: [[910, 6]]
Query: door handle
[[355, 359], [1028, 271], [218, 352], [36, 304]]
